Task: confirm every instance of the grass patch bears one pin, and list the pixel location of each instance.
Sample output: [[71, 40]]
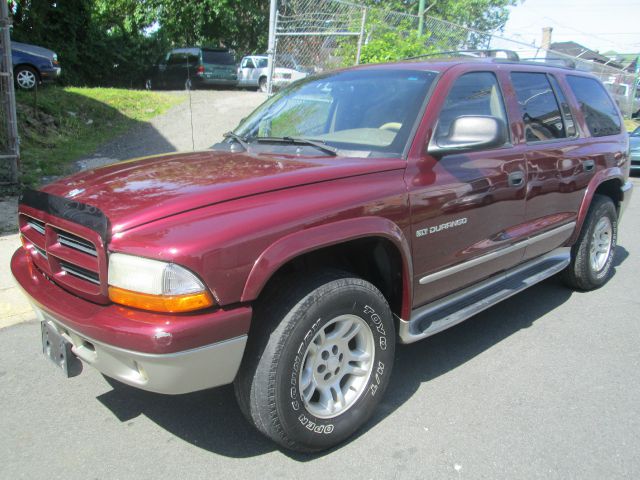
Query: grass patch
[[58, 125], [631, 125]]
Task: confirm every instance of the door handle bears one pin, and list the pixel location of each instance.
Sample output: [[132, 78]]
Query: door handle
[[588, 165], [516, 179]]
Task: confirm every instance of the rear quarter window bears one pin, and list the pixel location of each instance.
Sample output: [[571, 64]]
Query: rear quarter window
[[599, 111], [218, 58]]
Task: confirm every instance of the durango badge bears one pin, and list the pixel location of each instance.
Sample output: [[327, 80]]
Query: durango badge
[[442, 226]]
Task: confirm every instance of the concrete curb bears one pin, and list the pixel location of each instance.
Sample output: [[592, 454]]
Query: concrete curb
[[14, 306]]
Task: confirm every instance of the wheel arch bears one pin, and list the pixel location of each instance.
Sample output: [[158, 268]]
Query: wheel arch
[[373, 248], [30, 65], [608, 186]]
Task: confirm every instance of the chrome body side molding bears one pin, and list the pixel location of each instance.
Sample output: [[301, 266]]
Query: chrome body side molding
[[498, 253]]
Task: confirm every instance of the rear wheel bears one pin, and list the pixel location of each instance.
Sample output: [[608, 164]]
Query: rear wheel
[[318, 361], [593, 253]]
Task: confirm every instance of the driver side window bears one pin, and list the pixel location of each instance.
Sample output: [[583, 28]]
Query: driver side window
[[475, 93]]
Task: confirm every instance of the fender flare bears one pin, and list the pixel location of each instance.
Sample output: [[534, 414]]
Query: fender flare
[[301, 242], [599, 178]]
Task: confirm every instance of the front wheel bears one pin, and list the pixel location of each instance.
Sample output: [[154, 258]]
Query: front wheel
[[592, 255], [26, 77], [262, 84], [318, 360]]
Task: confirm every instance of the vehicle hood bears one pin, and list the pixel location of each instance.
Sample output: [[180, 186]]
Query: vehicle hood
[[139, 191], [33, 49]]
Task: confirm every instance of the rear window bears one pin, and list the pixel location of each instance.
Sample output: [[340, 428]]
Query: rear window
[[183, 58], [599, 111], [218, 58]]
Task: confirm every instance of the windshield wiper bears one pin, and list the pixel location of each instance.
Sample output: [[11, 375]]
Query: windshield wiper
[[241, 140], [299, 141]]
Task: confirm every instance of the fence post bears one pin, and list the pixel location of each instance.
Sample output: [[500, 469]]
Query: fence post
[[273, 8], [361, 36], [9, 99]]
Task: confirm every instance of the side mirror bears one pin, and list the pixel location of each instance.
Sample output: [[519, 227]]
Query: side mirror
[[469, 133]]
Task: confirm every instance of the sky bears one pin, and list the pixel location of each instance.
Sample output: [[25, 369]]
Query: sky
[[597, 24]]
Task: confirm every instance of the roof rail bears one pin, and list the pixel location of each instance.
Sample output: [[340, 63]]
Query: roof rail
[[489, 53], [557, 62]]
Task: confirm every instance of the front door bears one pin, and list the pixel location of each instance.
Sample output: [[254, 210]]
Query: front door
[[465, 207], [245, 75]]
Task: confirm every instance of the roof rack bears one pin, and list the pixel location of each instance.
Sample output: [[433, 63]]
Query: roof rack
[[490, 53], [556, 62]]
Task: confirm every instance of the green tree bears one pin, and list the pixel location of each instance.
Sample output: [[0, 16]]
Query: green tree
[[484, 15], [241, 25]]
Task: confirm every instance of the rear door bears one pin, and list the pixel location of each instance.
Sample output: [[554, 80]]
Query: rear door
[[465, 207], [559, 164]]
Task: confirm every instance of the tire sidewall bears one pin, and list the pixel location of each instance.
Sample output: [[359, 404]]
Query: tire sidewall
[[604, 209], [298, 422]]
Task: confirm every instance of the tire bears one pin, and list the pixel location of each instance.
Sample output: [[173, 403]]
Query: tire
[[592, 255], [305, 382], [262, 84], [26, 77]]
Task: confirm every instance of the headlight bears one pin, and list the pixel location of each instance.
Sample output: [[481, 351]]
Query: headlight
[[153, 285]]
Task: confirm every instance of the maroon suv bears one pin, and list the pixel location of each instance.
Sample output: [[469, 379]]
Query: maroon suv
[[352, 211]]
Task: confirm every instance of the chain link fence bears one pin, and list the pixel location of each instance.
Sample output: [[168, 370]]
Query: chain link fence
[[313, 36], [9, 143]]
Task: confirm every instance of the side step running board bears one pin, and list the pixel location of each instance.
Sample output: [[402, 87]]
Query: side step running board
[[449, 311]]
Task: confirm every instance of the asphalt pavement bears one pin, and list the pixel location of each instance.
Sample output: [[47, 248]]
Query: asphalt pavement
[[545, 385]]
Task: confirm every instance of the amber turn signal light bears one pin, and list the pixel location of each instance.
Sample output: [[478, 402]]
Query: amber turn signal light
[[161, 303]]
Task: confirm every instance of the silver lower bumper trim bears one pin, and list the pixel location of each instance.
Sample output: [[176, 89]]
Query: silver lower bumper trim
[[174, 373]]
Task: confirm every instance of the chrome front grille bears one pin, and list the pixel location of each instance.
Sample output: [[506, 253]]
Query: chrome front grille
[[80, 272], [76, 261], [41, 251], [77, 243], [36, 225]]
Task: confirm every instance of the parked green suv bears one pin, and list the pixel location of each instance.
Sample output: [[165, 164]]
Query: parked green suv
[[194, 67]]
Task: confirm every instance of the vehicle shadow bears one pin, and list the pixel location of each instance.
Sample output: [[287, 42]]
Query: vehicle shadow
[[212, 421]]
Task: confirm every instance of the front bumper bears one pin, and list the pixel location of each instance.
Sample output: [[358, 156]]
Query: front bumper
[[51, 75], [161, 353]]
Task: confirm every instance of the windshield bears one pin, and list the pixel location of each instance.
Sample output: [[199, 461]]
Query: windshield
[[372, 110]]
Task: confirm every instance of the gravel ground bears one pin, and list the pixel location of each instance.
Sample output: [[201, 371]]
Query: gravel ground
[[212, 113]]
